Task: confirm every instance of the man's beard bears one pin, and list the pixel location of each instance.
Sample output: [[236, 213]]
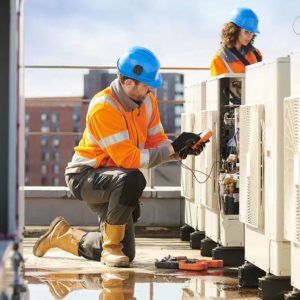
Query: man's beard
[[142, 98]]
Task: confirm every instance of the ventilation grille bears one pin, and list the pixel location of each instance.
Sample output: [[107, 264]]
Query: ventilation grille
[[251, 176], [296, 238], [194, 97], [292, 169], [244, 141], [187, 183], [200, 187], [211, 189]]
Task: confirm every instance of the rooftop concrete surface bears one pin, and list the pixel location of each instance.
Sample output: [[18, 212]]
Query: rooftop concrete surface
[[59, 274]]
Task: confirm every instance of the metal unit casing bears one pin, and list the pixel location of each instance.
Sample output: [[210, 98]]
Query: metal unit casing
[[194, 106], [251, 159], [292, 169], [224, 229], [267, 83], [295, 74], [187, 182], [292, 183]]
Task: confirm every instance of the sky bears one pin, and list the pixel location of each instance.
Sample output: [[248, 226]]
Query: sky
[[182, 33]]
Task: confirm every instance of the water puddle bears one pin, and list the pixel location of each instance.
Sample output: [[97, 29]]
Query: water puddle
[[122, 284]]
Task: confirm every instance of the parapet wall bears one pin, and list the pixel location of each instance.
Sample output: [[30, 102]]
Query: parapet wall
[[161, 206]]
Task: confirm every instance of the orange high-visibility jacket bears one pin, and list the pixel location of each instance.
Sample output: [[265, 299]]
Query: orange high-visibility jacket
[[121, 133], [226, 62]]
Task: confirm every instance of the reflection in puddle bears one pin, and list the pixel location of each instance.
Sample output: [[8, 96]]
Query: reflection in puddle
[[124, 284]]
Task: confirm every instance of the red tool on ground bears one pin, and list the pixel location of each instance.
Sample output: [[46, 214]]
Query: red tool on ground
[[208, 272], [214, 263], [200, 264], [188, 264], [193, 265]]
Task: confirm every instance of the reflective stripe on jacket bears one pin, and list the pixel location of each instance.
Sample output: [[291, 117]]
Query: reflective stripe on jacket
[[121, 133], [226, 62]]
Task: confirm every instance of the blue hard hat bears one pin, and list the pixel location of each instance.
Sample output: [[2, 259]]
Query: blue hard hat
[[142, 65], [245, 18]]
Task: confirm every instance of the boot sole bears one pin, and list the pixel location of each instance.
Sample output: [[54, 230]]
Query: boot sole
[[118, 265], [51, 227]]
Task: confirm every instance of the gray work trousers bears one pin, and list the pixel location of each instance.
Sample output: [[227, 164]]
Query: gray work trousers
[[113, 194]]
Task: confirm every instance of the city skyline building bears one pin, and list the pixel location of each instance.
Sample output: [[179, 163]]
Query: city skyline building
[[54, 125]]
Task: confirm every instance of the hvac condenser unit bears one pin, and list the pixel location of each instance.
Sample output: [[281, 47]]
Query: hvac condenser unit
[[201, 164], [292, 169], [200, 177], [194, 105], [295, 74], [224, 94], [251, 152], [261, 165], [292, 183], [187, 183], [199, 184], [211, 185]]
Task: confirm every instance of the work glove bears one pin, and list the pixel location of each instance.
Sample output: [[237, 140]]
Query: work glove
[[183, 140], [188, 150]]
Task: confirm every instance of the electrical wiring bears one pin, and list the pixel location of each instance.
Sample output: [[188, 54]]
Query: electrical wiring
[[193, 172]]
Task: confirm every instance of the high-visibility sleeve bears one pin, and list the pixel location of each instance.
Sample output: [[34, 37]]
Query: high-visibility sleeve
[[218, 66], [155, 133]]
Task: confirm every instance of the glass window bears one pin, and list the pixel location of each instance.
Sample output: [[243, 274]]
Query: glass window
[[55, 122], [55, 141], [44, 140], [55, 117], [178, 110], [44, 116], [165, 96], [56, 169], [178, 87], [56, 181], [179, 97], [43, 169], [178, 122], [55, 155], [44, 181], [45, 154], [179, 78], [27, 117], [76, 119], [44, 128], [26, 147]]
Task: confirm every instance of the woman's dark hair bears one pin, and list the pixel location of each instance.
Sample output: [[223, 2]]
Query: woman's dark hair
[[229, 35]]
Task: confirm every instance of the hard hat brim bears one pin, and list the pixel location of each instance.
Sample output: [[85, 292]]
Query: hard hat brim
[[156, 83]]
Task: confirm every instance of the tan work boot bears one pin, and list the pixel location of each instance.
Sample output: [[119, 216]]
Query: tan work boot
[[116, 286], [61, 235], [61, 285], [112, 254]]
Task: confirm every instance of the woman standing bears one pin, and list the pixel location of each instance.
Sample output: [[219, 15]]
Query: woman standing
[[237, 38]]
